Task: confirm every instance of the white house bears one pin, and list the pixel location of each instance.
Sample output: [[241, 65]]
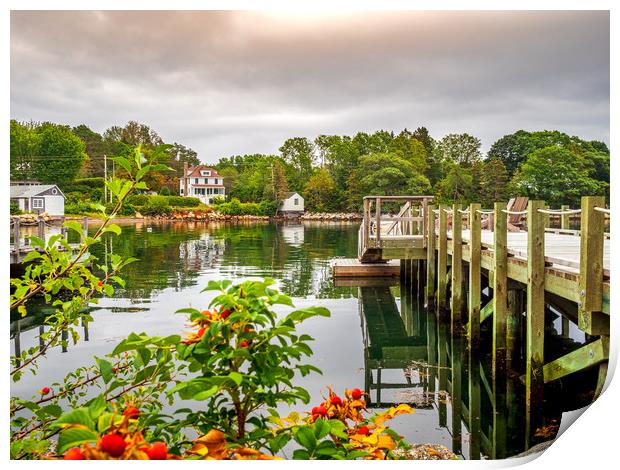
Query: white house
[[293, 204], [39, 198], [202, 182]]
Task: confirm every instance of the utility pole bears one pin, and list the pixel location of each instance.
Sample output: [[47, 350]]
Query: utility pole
[[105, 178]]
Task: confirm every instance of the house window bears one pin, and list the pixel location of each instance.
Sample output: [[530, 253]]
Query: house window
[[54, 191], [296, 202], [195, 180], [37, 203], [205, 173], [216, 181], [181, 192]]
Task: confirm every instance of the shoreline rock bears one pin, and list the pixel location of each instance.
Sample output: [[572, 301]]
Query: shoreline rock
[[329, 216]]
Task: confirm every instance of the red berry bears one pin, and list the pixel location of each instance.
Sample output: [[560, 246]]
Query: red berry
[[75, 453], [335, 400], [113, 444], [363, 430], [45, 391], [244, 344], [131, 411], [315, 410], [356, 394], [201, 331], [225, 314], [321, 410], [157, 451], [114, 370]]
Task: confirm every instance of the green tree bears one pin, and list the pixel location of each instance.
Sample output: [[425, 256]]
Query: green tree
[[319, 192], [458, 184], [459, 148], [493, 182], [513, 149], [298, 152], [47, 152], [385, 174], [95, 149], [556, 175], [411, 149]]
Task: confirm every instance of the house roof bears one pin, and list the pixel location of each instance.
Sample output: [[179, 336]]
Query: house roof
[[195, 171], [290, 195], [32, 190]]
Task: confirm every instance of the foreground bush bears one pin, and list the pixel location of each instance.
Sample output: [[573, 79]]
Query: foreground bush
[[240, 360]]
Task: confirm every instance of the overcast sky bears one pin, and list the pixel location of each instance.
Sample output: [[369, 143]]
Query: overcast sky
[[226, 83]]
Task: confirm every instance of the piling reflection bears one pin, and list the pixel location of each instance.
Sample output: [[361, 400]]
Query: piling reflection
[[482, 411]]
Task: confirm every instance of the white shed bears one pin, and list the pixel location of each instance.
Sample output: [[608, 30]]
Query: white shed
[[39, 198], [293, 203]]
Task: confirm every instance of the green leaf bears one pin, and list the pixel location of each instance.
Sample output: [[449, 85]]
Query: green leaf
[[337, 428], [321, 428], [112, 228], [105, 368], [300, 454], [97, 406], [77, 416], [326, 448], [52, 410], [305, 437], [74, 437], [123, 162], [236, 377], [74, 225]]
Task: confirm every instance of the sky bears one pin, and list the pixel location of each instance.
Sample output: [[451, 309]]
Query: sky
[[241, 82]]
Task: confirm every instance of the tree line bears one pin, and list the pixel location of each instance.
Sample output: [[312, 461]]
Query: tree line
[[334, 172]]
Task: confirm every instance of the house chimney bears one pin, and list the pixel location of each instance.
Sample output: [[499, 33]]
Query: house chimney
[[185, 171]]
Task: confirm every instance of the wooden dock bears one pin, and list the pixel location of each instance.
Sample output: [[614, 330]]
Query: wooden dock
[[519, 268], [348, 267], [20, 237]]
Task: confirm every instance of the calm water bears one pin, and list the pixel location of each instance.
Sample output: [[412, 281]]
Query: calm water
[[379, 337]]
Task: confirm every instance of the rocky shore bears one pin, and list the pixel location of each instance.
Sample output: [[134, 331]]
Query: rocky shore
[[203, 216], [329, 216]]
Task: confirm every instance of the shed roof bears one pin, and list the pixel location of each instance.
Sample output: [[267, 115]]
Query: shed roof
[[32, 190]]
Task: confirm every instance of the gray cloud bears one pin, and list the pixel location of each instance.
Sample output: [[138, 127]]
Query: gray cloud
[[229, 83]]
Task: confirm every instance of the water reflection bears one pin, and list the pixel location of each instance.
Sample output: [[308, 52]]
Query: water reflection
[[401, 353], [410, 356]]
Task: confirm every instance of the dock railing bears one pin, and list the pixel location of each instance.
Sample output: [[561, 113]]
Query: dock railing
[[379, 228]]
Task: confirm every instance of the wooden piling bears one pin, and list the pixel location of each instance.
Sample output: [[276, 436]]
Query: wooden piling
[[430, 256], [41, 229], [378, 221], [473, 325], [565, 218], [535, 318], [442, 259], [457, 271], [591, 268], [500, 287], [16, 234]]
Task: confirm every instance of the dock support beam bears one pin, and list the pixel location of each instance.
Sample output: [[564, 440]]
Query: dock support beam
[[442, 260], [457, 271], [591, 320], [473, 297], [430, 257], [565, 218], [500, 287], [500, 308], [535, 319]]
